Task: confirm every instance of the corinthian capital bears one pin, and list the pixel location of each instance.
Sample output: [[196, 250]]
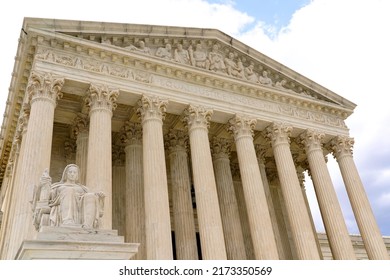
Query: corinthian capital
[[342, 146], [312, 140], [131, 133], [101, 97], [197, 117], [44, 85], [221, 147], [176, 140], [242, 126], [80, 124], [152, 107], [279, 133]]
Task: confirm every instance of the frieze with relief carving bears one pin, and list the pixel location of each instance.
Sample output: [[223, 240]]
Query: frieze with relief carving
[[152, 78]]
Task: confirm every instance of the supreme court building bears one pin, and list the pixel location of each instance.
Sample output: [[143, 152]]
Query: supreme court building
[[198, 142]]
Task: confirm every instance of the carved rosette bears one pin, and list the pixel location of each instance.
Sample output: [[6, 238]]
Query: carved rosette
[[152, 108], [221, 148], [242, 126], [80, 124], [176, 140], [312, 140], [342, 146], [197, 117], [279, 133], [131, 133], [101, 97], [44, 85]]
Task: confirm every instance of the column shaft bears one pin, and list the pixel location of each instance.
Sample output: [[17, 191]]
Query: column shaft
[[135, 205], [157, 215], [118, 191], [44, 90], [336, 229], [280, 242], [101, 100], [259, 218], [209, 217], [234, 240], [301, 230], [183, 213], [369, 230]]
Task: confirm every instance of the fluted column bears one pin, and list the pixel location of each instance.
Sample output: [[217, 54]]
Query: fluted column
[[244, 222], [369, 230], [301, 230], [134, 198], [332, 216], [234, 240], [80, 132], [43, 90], [8, 208], [157, 217], [118, 190], [197, 119], [259, 217], [282, 244], [101, 101], [183, 213]]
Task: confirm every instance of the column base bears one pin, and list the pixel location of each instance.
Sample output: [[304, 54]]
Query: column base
[[76, 244]]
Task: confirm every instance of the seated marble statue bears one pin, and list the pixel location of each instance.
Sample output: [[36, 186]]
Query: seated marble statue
[[71, 204]]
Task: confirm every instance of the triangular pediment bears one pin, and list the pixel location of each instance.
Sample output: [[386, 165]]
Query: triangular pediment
[[207, 50]]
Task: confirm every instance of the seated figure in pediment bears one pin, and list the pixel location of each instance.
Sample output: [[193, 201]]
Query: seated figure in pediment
[[165, 52], [181, 55], [264, 79], [66, 203], [141, 48], [215, 61], [250, 74]]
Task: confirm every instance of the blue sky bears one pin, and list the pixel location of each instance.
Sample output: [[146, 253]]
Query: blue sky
[[341, 44], [276, 14]]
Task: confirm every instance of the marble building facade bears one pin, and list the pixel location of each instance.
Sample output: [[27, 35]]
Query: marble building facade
[[198, 142]]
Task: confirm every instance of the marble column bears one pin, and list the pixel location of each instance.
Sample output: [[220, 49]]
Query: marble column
[[80, 127], [332, 216], [282, 244], [101, 101], [197, 119], [43, 90], [118, 190], [234, 240], [7, 207], [259, 217], [244, 222], [157, 216], [369, 230], [134, 198], [299, 220], [183, 213]]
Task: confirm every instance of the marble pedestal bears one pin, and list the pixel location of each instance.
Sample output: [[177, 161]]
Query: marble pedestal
[[76, 243]]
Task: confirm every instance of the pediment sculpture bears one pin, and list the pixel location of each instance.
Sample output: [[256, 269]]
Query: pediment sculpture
[[66, 203]]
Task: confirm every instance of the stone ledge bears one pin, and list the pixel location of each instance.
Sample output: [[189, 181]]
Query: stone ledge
[[72, 250]]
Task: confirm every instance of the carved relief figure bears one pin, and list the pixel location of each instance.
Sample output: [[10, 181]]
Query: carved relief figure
[[281, 84], [181, 55], [250, 73], [142, 48], [231, 67], [70, 203], [198, 57], [165, 52], [215, 61], [264, 79]]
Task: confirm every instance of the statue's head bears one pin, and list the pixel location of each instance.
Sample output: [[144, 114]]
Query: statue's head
[[71, 173]]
